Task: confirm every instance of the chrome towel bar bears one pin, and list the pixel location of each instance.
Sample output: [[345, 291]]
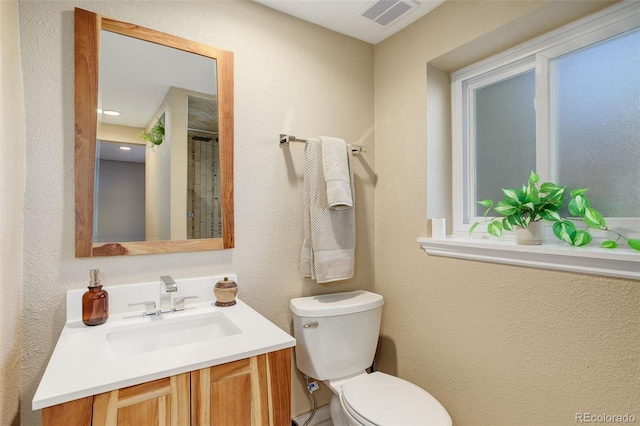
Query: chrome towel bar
[[286, 139]]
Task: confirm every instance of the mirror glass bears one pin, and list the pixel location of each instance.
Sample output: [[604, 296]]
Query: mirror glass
[[156, 196], [160, 153]]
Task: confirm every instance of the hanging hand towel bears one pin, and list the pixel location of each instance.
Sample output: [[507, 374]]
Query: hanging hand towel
[[329, 234], [336, 170]]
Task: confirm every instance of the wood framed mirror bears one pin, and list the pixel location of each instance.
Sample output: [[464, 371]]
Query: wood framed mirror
[[168, 225]]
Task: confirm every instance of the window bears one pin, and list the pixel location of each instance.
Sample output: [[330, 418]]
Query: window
[[566, 105]]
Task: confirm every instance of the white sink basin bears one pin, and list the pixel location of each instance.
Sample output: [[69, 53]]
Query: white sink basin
[[131, 349], [167, 332]]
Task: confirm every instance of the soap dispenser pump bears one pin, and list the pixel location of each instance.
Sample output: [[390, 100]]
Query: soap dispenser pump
[[95, 302]]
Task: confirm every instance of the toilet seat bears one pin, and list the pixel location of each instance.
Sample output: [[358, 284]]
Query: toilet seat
[[381, 399]]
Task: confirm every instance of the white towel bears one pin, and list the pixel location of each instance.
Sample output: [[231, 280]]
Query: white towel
[[329, 235], [335, 167]]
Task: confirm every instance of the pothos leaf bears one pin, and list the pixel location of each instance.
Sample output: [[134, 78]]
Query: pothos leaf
[[580, 191], [577, 205], [495, 228], [516, 220], [533, 177], [582, 238], [506, 224], [565, 231], [548, 187], [535, 196], [610, 244], [593, 218], [550, 215], [486, 203], [510, 194], [474, 226], [633, 243], [504, 209]]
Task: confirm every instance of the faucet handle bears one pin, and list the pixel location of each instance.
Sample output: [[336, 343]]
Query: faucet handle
[[179, 302], [149, 307]]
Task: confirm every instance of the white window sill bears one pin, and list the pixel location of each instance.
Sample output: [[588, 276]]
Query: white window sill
[[620, 262]]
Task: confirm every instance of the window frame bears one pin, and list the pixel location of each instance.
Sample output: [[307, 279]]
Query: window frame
[[535, 54]]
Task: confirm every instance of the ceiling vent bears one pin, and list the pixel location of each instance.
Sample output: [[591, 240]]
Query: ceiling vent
[[384, 12]]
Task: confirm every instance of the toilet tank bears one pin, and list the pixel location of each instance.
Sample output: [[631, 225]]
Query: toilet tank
[[336, 334]]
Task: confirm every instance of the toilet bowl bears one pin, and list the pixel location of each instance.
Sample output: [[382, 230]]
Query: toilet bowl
[[337, 336]]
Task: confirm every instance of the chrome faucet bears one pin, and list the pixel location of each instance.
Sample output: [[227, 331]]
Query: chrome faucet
[[167, 287]]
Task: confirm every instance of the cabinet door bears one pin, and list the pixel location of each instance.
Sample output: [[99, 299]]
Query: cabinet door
[[161, 402], [231, 394], [254, 391], [72, 413], [279, 387]]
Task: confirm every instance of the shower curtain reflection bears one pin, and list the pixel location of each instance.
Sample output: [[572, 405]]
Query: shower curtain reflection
[[203, 193]]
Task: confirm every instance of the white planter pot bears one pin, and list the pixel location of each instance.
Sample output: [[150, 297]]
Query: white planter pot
[[532, 235]]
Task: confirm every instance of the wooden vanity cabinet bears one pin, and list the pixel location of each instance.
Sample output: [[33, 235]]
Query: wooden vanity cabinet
[[160, 402], [251, 391]]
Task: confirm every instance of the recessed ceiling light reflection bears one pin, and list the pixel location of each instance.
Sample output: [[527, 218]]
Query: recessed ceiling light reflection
[[125, 148], [110, 112]]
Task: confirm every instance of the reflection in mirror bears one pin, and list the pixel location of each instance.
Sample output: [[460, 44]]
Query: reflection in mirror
[[203, 168], [119, 192], [150, 88], [171, 100]]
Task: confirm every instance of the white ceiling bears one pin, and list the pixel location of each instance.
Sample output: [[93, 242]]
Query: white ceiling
[[345, 16], [108, 150], [135, 76]]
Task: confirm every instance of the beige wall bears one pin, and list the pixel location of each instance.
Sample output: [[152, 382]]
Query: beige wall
[[497, 345], [12, 164], [290, 76], [115, 133]]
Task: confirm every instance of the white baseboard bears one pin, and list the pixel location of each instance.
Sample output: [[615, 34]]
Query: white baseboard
[[322, 415]]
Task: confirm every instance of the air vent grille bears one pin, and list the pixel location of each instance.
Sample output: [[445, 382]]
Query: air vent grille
[[385, 12], [378, 8]]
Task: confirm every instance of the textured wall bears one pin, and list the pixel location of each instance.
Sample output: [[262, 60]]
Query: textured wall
[[497, 345], [290, 76], [12, 164]]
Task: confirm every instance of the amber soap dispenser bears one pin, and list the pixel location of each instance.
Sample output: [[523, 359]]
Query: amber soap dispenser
[[95, 302]]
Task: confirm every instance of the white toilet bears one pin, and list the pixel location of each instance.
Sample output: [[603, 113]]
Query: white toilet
[[337, 335]]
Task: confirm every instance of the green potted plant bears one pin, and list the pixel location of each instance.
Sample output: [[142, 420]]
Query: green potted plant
[[535, 202], [156, 134]]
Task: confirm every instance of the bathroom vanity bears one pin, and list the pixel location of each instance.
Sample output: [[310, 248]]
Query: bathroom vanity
[[251, 391], [203, 365]]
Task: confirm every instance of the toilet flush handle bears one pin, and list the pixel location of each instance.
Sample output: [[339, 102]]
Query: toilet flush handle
[[310, 325]]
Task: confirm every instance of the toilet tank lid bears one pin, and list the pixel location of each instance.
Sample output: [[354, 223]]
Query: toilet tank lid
[[325, 305]]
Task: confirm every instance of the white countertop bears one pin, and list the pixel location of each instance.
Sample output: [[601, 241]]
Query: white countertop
[[82, 364]]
